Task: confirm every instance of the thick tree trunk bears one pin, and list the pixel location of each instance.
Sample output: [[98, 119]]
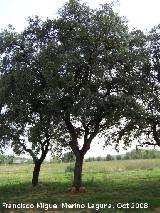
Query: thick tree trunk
[[36, 173], [78, 172]]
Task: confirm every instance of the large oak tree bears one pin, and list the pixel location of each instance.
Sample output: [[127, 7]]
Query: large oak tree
[[100, 72], [82, 69]]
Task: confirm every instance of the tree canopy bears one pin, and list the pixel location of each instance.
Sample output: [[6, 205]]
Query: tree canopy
[[76, 75], [145, 127]]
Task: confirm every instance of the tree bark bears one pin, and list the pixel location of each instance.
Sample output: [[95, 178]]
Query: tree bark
[[78, 172], [36, 171]]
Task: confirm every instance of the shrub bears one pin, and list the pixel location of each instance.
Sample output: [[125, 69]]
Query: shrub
[[69, 168]]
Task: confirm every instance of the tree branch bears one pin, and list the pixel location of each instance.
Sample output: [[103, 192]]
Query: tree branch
[[27, 150]]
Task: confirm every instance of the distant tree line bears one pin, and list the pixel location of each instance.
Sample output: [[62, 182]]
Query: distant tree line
[[10, 159], [134, 154]]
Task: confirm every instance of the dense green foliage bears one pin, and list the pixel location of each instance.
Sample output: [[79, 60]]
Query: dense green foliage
[[68, 78], [145, 129]]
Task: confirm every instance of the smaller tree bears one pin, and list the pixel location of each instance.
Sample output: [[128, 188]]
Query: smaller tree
[[27, 123], [35, 138], [143, 124]]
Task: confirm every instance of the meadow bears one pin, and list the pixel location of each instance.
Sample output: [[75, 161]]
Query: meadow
[[132, 184]]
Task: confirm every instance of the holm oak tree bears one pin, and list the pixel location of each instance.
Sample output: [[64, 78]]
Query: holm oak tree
[[81, 70]]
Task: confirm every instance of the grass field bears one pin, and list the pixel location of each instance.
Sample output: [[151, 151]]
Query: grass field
[[133, 183]]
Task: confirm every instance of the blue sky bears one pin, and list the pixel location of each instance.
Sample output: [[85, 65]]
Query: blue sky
[[142, 14]]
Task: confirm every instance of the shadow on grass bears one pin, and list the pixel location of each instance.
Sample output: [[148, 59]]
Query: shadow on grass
[[101, 192]]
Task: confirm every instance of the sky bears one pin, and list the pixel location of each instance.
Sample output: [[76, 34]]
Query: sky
[[141, 14]]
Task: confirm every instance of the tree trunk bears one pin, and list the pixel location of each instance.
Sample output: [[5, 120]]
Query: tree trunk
[[78, 172], [36, 173]]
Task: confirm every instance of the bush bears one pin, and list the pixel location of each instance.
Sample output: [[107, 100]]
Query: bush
[[69, 168], [68, 157], [119, 157], [109, 157]]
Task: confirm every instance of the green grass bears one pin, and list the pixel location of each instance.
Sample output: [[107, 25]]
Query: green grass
[[127, 181]]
